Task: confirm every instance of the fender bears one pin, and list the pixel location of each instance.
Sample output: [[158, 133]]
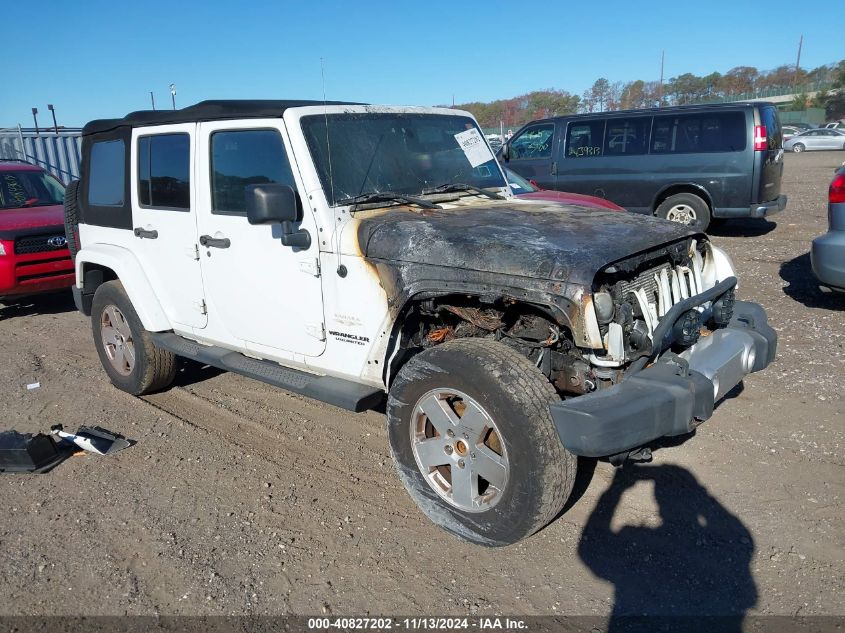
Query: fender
[[130, 273], [681, 185]]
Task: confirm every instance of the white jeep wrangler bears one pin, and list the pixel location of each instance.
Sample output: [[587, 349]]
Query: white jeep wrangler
[[346, 252]]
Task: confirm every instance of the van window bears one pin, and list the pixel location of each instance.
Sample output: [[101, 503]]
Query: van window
[[106, 179], [702, 132], [164, 163], [245, 157], [534, 142], [626, 137], [584, 138]]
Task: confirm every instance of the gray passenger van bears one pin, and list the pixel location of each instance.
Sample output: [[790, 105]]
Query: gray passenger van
[[687, 164]]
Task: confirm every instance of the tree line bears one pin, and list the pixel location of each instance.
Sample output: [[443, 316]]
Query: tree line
[[684, 89]]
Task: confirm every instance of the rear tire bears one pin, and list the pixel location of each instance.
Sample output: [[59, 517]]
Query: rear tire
[[72, 217], [495, 402], [685, 208], [131, 360], [798, 148]]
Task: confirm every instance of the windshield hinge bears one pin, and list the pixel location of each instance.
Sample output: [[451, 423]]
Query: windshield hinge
[[317, 330], [311, 266]]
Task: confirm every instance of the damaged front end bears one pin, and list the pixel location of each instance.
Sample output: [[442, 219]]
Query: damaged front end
[[675, 341]]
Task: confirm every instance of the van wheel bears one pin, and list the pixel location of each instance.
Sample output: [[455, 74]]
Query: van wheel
[[72, 217], [685, 208], [131, 360], [798, 148], [474, 444]]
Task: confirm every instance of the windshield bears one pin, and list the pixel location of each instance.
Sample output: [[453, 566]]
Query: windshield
[[363, 153], [29, 189]]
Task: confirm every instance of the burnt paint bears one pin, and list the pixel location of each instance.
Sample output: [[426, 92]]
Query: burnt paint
[[559, 243]]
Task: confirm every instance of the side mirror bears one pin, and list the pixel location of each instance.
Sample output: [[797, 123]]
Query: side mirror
[[276, 204]]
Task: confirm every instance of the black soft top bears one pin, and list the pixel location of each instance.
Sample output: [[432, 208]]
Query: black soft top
[[212, 110]]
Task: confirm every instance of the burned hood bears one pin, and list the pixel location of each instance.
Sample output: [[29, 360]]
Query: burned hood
[[557, 242]]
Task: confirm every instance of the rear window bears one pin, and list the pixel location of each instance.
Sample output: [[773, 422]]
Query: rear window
[[701, 132], [164, 163], [774, 133], [106, 178], [584, 139]]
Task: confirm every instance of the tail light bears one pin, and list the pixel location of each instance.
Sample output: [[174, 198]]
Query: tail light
[[837, 189], [760, 140]]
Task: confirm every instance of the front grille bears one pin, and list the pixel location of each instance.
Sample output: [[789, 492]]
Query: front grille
[[40, 243]]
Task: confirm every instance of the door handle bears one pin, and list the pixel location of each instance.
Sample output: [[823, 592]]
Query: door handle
[[553, 169], [144, 233], [207, 240]]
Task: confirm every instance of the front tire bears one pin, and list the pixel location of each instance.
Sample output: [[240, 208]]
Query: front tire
[[687, 209], [798, 148], [474, 444], [131, 360]]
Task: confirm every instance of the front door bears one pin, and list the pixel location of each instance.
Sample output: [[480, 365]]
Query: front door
[[261, 294], [164, 204], [531, 154]]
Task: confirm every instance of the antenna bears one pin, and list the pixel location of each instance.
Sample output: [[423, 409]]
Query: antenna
[[341, 269]]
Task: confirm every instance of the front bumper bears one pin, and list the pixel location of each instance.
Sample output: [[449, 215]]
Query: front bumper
[[671, 397], [827, 257]]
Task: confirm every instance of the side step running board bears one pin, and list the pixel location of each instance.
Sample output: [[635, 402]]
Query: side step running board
[[337, 391]]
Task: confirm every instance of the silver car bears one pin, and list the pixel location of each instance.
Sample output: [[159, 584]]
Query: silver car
[[827, 254], [816, 139]]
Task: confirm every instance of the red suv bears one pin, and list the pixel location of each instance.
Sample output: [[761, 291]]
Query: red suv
[[33, 248]]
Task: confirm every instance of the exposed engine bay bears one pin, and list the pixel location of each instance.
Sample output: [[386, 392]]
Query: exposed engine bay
[[633, 300]]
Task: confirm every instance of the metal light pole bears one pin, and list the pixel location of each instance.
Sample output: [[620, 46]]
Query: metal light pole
[[53, 112], [152, 100], [173, 95], [35, 118]]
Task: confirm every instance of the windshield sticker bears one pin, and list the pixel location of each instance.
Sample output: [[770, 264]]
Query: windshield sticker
[[474, 147]]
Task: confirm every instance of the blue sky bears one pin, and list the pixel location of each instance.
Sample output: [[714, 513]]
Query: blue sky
[[95, 59]]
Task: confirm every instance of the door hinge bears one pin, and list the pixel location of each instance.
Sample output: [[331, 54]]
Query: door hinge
[[193, 252], [311, 266], [200, 305], [317, 330]]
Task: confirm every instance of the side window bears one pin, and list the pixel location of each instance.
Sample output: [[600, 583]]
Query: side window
[[106, 177], [625, 137], [164, 163], [584, 138], [245, 157], [705, 132], [535, 142]]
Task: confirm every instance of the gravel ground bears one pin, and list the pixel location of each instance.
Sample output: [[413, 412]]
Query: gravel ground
[[243, 499]]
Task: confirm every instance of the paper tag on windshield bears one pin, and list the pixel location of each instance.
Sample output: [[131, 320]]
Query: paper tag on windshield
[[475, 149]]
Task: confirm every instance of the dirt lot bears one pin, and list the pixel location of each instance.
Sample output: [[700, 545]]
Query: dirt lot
[[242, 499]]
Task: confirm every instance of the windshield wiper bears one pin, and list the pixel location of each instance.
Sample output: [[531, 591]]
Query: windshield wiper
[[459, 186], [387, 196]]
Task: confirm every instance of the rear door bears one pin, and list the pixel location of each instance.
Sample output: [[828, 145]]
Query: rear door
[[768, 161], [164, 219], [530, 153]]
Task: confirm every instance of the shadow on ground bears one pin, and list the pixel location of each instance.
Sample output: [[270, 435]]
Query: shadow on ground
[[52, 303], [741, 227], [694, 563], [804, 287]]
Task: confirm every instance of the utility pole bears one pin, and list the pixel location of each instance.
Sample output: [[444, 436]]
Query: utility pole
[[798, 61], [173, 94], [35, 118], [152, 100], [660, 90], [53, 112]]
